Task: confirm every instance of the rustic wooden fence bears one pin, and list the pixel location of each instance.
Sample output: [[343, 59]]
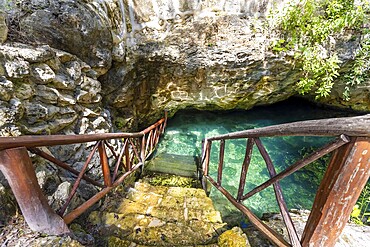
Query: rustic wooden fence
[[17, 167], [345, 177]]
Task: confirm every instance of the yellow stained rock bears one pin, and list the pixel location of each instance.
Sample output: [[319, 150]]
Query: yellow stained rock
[[233, 238]]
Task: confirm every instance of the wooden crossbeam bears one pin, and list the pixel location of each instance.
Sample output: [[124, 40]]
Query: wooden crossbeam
[[221, 162], [119, 161], [63, 165], [340, 141], [262, 227], [245, 166], [68, 218], [78, 180], [294, 240]]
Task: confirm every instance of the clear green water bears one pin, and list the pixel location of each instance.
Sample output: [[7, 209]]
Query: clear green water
[[187, 128]]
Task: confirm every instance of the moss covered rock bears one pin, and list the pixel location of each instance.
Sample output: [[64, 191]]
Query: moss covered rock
[[233, 238], [159, 216]]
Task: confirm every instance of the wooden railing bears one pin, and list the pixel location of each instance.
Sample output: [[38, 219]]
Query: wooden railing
[[345, 177], [15, 164]]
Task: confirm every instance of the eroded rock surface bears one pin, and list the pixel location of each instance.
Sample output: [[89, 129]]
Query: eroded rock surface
[[44, 90], [169, 55], [73, 26], [212, 55], [47, 91]]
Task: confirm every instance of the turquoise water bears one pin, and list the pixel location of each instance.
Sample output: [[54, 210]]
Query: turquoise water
[[187, 128]]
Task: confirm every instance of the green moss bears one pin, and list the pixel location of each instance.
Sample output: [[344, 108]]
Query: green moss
[[172, 181], [120, 123]]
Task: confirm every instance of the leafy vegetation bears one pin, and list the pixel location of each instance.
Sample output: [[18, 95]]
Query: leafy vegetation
[[309, 29], [361, 68], [360, 214]]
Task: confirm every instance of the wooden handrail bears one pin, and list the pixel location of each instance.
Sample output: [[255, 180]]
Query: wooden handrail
[[32, 141], [349, 126], [20, 168], [351, 159], [54, 140]]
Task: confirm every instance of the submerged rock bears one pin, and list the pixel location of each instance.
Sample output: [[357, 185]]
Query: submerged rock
[[157, 215]]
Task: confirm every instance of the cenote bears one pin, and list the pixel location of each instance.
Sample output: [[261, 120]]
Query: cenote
[[187, 128]]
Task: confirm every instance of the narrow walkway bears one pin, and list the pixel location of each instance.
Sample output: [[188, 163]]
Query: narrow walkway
[[160, 216]]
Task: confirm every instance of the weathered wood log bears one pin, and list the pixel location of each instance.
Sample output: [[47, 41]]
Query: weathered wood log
[[346, 176], [350, 126], [17, 168], [53, 140]]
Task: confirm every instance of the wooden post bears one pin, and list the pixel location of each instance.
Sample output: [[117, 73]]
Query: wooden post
[[346, 176], [17, 168], [104, 164]]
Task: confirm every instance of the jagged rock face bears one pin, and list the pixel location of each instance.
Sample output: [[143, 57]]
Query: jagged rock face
[[44, 90], [169, 55], [72, 26], [182, 75], [212, 55], [48, 91]]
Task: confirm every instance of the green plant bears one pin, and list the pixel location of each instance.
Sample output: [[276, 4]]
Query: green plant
[[361, 68], [308, 29], [360, 214]]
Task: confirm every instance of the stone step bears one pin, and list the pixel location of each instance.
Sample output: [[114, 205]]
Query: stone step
[[179, 165], [160, 216]]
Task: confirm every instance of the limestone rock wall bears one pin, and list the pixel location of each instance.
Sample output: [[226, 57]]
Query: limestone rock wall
[[73, 26], [201, 54], [48, 91], [211, 55], [151, 56], [158, 55], [44, 90]]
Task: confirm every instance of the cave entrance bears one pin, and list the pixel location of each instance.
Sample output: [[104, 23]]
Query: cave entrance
[[182, 142]]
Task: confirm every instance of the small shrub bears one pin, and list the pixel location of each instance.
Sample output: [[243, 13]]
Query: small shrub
[[360, 214], [309, 28]]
